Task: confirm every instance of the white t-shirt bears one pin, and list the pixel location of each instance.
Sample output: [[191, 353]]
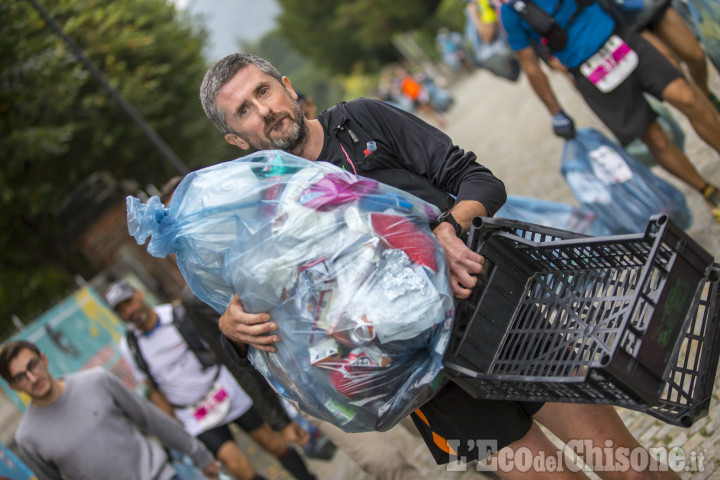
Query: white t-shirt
[[179, 374]]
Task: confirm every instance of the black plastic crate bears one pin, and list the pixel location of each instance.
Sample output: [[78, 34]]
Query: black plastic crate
[[629, 320]]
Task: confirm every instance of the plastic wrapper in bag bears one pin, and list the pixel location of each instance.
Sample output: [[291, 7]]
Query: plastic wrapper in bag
[[553, 214], [623, 192], [346, 267]]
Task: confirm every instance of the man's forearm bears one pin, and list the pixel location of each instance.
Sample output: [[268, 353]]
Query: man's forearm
[[159, 400], [538, 80], [463, 212]]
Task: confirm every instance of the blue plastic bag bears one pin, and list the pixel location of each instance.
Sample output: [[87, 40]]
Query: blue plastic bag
[[553, 214], [623, 192], [347, 268]]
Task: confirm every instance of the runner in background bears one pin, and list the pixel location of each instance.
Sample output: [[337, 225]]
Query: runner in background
[[587, 40], [88, 425], [188, 383]]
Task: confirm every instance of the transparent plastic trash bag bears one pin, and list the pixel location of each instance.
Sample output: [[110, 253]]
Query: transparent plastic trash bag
[[620, 190], [347, 268]]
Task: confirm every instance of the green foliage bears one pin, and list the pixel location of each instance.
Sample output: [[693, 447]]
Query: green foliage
[[450, 14], [59, 125], [342, 35], [306, 77]]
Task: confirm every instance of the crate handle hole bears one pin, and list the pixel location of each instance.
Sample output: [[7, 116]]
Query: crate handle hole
[[714, 275], [686, 421], [605, 360]]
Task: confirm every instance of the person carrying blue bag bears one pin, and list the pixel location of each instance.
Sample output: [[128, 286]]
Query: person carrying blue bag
[[254, 107], [611, 68]]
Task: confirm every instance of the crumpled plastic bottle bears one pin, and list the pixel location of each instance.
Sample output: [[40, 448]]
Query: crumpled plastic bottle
[[347, 268]]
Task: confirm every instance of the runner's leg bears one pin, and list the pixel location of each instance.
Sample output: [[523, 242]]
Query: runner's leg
[[673, 31], [697, 108], [235, 461], [592, 430], [511, 461], [670, 157]]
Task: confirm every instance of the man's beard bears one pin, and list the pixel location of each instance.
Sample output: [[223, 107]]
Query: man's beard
[[295, 138]]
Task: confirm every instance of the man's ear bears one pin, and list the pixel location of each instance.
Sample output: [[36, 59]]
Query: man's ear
[[233, 139], [289, 88]]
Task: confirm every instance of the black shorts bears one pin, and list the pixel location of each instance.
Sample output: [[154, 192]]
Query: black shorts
[[456, 426], [657, 16], [214, 438], [624, 110]]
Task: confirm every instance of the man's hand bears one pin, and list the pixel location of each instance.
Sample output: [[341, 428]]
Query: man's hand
[[563, 125], [463, 262], [212, 471], [249, 328], [294, 433]]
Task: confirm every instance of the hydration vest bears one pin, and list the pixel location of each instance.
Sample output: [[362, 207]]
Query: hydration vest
[[187, 332], [544, 23]]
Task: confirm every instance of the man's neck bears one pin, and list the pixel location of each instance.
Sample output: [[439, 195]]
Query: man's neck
[[56, 389], [152, 321], [315, 140]]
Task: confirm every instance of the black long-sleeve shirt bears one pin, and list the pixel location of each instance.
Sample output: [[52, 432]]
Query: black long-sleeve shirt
[[411, 155]]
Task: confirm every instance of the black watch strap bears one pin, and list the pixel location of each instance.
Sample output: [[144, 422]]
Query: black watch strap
[[447, 217]]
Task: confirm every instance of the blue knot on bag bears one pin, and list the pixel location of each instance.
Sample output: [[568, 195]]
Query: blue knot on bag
[[144, 221]]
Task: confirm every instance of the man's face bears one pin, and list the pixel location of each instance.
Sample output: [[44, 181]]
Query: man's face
[[262, 111], [29, 374], [134, 310]]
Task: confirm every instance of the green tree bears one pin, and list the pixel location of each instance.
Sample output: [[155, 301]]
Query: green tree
[[339, 35], [307, 77], [60, 125]]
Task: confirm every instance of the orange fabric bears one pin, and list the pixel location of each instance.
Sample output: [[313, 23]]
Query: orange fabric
[[411, 88], [439, 441]]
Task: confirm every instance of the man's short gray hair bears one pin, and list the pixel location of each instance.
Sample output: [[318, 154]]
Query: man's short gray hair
[[219, 75]]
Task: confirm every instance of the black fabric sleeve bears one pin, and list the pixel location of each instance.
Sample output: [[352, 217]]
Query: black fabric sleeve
[[429, 152]]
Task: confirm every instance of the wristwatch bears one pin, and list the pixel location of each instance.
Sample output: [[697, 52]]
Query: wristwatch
[[447, 217]]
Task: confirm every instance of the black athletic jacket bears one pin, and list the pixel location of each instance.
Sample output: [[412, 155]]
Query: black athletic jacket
[[411, 155]]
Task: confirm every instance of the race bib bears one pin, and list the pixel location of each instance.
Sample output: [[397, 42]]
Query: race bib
[[610, 65], [213, 407]]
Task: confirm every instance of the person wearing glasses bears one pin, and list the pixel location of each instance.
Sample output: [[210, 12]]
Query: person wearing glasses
[[89, 425]]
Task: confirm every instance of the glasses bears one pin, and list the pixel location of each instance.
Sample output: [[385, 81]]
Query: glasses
[[32, 367]]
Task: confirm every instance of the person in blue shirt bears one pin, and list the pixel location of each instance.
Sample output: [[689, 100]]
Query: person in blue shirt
[[612, 67]]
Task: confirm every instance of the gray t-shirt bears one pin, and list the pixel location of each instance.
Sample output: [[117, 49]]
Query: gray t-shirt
[[98, 429]]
